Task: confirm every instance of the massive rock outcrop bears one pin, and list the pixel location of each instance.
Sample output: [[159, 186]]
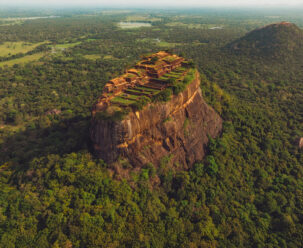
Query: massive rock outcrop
[[178, 129]]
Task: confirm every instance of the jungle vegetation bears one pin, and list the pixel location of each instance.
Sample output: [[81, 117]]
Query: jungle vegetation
[[247, 192]]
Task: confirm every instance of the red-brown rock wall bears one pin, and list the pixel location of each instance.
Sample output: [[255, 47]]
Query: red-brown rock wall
[[179, 127]]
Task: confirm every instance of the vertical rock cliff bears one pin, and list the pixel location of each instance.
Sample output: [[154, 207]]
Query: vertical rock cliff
[[178, 128]]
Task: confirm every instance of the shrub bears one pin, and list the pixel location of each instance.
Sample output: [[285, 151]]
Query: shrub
[[151, 169], [189, 77], [171, 80], [163, 96], [154, 59], [178, 88], [199, 169], [212, 167], [191, 63], [140, 103], [144, 174]]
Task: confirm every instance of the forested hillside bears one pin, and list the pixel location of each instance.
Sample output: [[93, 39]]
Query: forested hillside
[[275, 41], [247, 192]]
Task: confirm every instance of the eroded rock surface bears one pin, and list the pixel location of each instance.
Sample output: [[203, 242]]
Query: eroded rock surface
[[178, 128]]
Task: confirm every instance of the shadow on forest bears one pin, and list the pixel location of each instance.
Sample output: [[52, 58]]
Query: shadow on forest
[[66, 136]]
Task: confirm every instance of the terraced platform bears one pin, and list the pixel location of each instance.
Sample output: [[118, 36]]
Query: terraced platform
[[146, 82]]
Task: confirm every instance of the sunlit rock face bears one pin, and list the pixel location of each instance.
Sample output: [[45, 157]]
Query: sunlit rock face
[[178, 129]]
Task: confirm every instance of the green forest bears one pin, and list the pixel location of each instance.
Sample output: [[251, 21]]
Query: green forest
[[247, 192]]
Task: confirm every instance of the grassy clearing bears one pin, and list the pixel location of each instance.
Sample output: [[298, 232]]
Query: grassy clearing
[[59, 48], [109, 57], [23, 60], [12, 48], [66, 45], [92, 56], [91, 39], [166, 44], [10, 23], [126, 25], [159, 43]]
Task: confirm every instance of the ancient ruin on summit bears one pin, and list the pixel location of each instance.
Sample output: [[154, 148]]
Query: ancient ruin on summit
[[147, 78]]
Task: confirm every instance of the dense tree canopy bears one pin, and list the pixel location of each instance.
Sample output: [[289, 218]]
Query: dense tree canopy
[[247, 192]]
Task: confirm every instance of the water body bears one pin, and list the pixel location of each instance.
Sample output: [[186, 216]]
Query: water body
[[125, 25], [213, 28]]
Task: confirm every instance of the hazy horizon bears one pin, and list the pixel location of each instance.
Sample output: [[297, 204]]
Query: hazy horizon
[[154, 3]]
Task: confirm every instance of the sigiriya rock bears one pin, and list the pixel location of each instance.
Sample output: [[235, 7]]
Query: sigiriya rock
[[155, 109]]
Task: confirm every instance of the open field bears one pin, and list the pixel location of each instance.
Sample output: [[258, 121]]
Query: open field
[[159, 43], [126, 25], [23, 60], [109, 57], [66, 45], [20, 20], [164, 44], [9, 23], [92, 56], [12, 48]]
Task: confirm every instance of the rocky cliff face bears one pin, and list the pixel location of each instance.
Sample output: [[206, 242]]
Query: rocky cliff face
[[178, 128]]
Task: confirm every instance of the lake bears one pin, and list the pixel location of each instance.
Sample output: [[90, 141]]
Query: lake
[[125, 25], [213, 28]]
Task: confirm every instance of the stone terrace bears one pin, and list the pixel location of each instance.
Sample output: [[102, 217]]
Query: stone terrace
[[149, 77]]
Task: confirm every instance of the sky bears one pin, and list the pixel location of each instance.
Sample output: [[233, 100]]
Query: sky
[[159, 3]]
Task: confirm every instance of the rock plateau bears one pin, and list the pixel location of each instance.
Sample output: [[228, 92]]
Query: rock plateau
[[177, 128]]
